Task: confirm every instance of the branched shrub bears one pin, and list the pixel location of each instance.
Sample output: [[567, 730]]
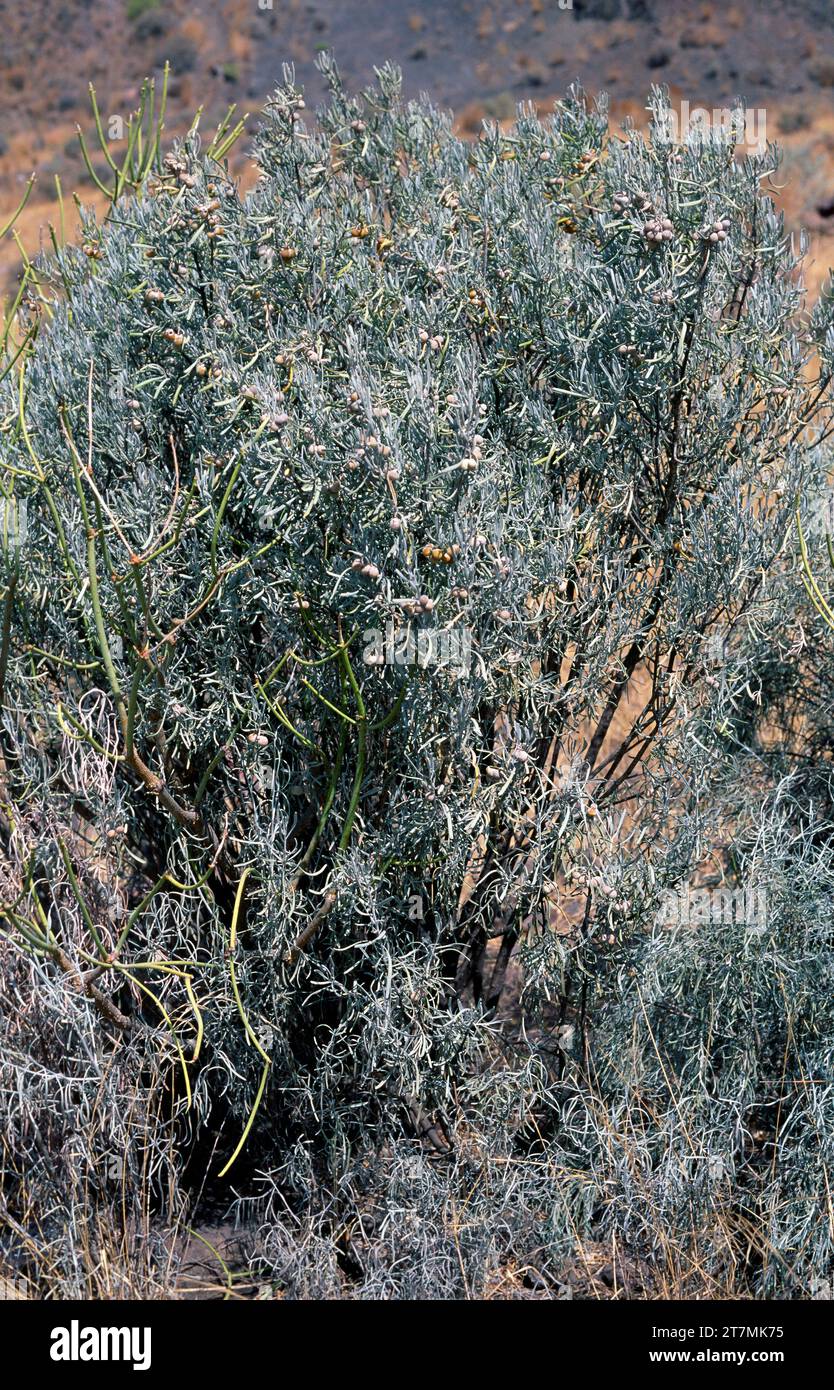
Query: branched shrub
[[360, 703]]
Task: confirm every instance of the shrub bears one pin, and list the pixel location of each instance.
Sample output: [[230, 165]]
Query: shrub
[[360, 703], [154, 24], [180, 53], [136, 9]]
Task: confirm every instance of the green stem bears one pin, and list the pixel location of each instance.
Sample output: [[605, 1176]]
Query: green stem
[[361, 739]]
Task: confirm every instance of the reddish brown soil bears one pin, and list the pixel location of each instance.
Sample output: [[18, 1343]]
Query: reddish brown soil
[[478, 56]]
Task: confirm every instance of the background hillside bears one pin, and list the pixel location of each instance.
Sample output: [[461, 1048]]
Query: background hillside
[[477, 56]]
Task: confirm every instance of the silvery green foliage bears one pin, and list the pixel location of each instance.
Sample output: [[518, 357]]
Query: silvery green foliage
[[515, 391]]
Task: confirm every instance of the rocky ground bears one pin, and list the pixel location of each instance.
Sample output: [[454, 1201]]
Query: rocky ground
[[479, 57]]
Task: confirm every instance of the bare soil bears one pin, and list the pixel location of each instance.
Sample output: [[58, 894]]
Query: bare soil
[[478, 57]]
